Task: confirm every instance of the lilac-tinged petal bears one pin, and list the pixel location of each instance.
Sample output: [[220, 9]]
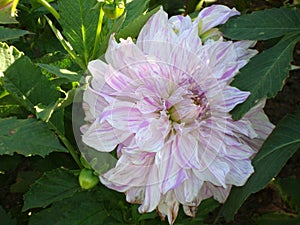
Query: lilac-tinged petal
[[215, 15], [93, 104], [219, 193], [186, 151], [103, 137], [123, 116], [171, 175], [243, 51], [240, 171], [157, 31], [152, 193], [151, 135], [230, 97]]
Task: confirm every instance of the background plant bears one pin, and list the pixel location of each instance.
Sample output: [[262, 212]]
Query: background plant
[[44, 53]]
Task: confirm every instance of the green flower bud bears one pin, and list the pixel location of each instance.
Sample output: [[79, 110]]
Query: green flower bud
[[114, 10], [87, 179]]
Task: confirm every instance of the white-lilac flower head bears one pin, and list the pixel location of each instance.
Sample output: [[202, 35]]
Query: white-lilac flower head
[[163, 103]]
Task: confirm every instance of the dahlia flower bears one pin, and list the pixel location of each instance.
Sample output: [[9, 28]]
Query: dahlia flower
[[163, 103]]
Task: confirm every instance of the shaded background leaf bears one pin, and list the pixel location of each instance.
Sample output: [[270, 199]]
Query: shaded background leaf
[[283, 142], [6, 218], [53, 186], [263, 25], [264, 75], [82, 208]]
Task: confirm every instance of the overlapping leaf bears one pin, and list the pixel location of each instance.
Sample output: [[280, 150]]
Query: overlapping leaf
[[25, 82], [10, 33], [8, 54], [6, 218], [53, 186], [283, 142], [264, 75], [82, 208], [27, 137], [263, 25], [134, 28], [79, 20]]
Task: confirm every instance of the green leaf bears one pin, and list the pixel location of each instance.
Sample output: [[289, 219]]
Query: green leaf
[[134, 28], [45, 113], [8, 55], [264, 75], [24, 180], [283, 142], [25, 82], [62, 73], [263, 25], [27, 137], [53, 186], [277, 219], [290, 189], [79, 21], [134, 9], [5, 16], [9, 106], [82, 208], [6, 218], [11, 33]]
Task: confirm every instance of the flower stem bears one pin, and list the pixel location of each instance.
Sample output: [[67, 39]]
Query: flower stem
[[67, 144], [50, 8], [98, 32]]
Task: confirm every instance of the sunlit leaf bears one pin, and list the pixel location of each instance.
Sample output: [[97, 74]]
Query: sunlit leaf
[[8, 54], [25, 82], [27, 137], [134, 9], [264, 75], [79, 21], [283, 142], [134, 28], [263, 25], [62, 73]]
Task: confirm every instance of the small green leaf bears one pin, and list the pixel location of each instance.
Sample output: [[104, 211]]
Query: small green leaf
[[8, 55], [283, 142], [27, 137], [6, 17], [53, 186], [62, 73], [134, 28], [135, 9], [9, 106], [6, 218], [82, 208], [11, 33], [25, 82], [79, 22], [264, 75], [290, 189], [263, 25]]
